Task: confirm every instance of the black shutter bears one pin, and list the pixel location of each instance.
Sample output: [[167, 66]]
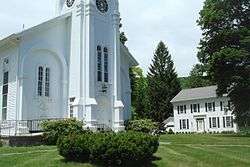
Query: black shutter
[[224, 124], [191, 106], [218, 120], [232, 122], [210, 123], [180, 124], [178, 109], [206, 106], [198, 107], [221, 106], [185, 109], [214, 106], [187, 123]]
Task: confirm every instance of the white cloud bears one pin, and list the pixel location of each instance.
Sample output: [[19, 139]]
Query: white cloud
[[145, 22]]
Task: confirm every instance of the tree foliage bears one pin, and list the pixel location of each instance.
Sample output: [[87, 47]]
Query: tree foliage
[[139, 86], [163, 84], [198, 78], [224, 50]]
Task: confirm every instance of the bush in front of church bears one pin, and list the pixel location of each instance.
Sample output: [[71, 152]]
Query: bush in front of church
[[142, 125], [55, 128], [108, 149]]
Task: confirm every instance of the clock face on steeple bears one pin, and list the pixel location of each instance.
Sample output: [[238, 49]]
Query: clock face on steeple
[[102, 5], [70, 3]]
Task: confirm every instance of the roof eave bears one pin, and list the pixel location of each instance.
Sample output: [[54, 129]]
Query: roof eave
[[133, 61]]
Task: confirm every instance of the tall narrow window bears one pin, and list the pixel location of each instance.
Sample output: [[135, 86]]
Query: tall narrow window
[[71, 111], [5, 95], [106, 65], [40, 81], [99, 63], [47, 82]]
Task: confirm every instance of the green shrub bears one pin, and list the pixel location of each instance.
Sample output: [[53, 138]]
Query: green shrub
[[171, 132], [143, 125], [109, 148], [1, 143], [54, 129]]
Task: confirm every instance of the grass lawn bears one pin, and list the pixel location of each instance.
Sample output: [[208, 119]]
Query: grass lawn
[[174, 151]]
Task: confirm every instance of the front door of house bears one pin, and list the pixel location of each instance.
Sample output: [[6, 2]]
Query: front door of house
[[200, 125]]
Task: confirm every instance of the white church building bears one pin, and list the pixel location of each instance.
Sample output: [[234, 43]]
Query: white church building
[[200, 110], [70, 66]]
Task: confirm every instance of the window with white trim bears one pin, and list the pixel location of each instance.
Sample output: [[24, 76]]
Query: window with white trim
[[195, 108], [71, 111], [5, 91], [210, 106], [228, 122], [106, 65], [214, 122], [43, 81], [99, 63], [47, 82], [182, 109], [40, 81], [184, 123]]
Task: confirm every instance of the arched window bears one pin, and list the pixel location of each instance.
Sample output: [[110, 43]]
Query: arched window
[[99, 63], [47, 82], [106, 65], [40, 81]]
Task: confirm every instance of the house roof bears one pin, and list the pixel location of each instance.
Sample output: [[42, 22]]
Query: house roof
[[195, 94], [170, 119]]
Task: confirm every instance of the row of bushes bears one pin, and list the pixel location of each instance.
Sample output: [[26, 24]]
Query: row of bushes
[[127, 148]]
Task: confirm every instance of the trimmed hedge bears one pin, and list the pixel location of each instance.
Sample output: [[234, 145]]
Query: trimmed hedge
[[143, 125], [54, 129], [127, 148]]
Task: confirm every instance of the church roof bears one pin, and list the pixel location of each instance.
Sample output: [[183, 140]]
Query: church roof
[[196, 94], [16, 36], [133, 61]]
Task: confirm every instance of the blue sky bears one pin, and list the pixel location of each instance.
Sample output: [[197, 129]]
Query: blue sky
[[145, 22]]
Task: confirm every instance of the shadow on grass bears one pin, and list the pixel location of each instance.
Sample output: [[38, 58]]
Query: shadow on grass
[[147, 163]]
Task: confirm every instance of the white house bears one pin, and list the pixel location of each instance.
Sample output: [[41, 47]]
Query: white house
[[201, 110], [71, 66]]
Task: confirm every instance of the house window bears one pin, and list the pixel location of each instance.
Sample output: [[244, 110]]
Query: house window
[[5, 95], [99, 63], [40, 81], [71, 111], [210, 106], [228, 122], [195, 108], [214, 122], [43, 83], [182, 109], [106, 65], [47, 82], [184, 124], [229, 105]]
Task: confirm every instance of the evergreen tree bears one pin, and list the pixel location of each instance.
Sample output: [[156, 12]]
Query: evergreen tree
[[163, 84]]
